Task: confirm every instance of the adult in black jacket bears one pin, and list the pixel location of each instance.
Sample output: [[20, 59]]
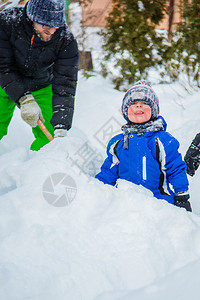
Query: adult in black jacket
[[192, 156], [38, 68]]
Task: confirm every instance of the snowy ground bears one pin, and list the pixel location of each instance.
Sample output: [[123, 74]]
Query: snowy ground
[[107, 243]]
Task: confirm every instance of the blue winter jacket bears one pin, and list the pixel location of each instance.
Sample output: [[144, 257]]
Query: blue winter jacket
[[152, 160]]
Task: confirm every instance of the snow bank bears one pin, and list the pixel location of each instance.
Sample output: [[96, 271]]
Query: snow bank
[[106, 244]]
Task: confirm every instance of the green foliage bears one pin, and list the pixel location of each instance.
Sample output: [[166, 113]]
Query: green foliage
[[188, 43], [87, 73], [131, 38], [135, 46]]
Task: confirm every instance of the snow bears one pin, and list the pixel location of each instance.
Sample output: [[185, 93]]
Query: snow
[[107, 243]]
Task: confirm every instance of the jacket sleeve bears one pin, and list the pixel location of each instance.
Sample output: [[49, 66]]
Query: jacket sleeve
[[109, 169], [10, 80], [64, 86], [174, 165]]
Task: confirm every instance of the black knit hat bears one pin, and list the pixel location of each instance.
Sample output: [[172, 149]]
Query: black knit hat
[[47, 12]]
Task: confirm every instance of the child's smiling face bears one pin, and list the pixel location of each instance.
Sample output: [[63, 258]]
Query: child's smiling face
[[139, 112]]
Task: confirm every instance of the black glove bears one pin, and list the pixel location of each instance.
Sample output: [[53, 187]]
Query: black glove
[[192, 157], [181, 200]]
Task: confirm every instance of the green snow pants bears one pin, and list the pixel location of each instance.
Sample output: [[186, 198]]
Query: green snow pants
[[44, 99]]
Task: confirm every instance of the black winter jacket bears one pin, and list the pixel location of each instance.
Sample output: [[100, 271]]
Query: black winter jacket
[[28, 64]]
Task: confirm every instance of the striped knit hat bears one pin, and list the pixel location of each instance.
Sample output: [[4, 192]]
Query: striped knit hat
[[47, 12], [141, 91]]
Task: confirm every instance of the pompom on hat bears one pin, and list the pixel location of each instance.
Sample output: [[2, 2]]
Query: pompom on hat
[[141, 91], [49, 13]]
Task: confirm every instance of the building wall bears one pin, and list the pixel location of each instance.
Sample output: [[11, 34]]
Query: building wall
[[176, 17], [95, 12]]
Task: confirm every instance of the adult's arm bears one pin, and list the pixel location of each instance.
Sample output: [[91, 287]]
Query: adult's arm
[[64, 86]]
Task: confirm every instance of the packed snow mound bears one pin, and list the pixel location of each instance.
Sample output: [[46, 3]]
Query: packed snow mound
[[106, 239], [183, 284], [65, 233]]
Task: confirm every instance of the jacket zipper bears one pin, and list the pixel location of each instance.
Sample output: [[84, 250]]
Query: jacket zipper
[[32, 39], [29, 51]]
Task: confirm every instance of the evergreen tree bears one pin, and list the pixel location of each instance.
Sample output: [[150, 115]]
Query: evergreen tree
[[131, 40], [188, 43]]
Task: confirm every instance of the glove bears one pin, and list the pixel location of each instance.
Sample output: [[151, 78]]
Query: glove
[[181, 200], [192, 157], [60, 133], [30, 110]]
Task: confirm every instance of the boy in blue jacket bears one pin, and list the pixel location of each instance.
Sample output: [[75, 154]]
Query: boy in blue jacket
[[145, 153]]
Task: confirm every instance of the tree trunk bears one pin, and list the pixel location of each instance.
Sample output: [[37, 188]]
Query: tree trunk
[[171, 17]]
